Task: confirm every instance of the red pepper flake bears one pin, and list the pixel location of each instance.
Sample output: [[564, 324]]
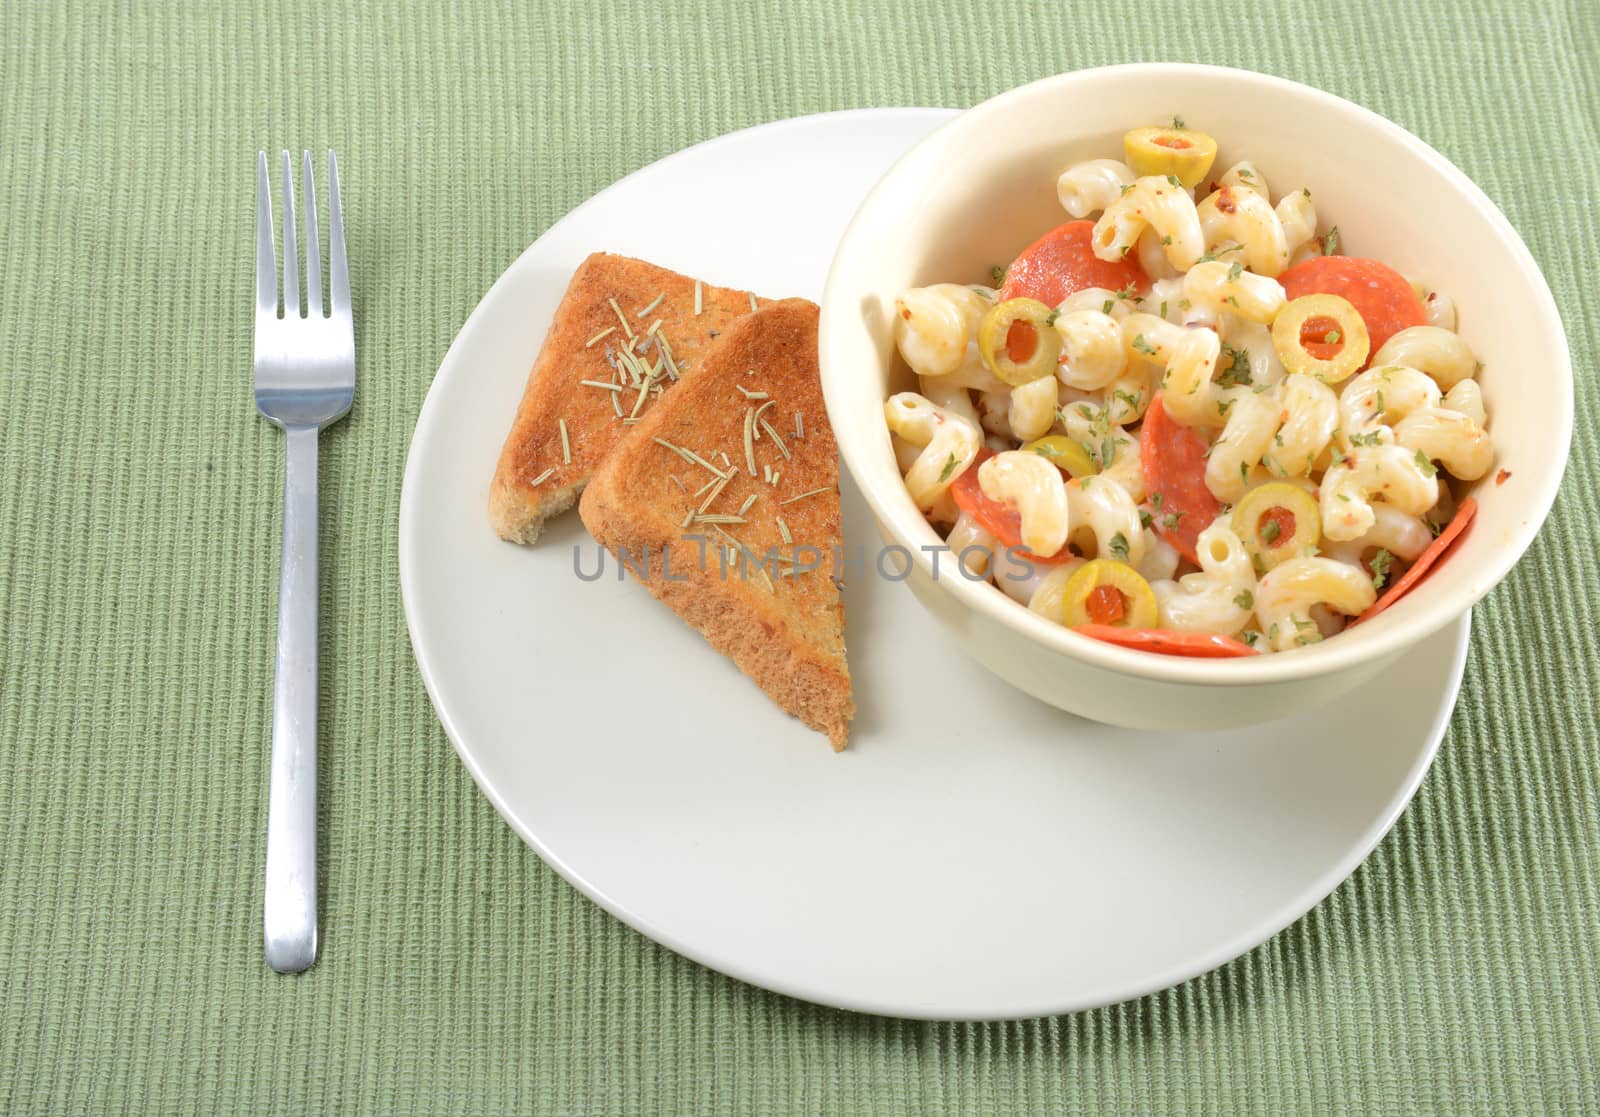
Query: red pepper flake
[[1502, 477]]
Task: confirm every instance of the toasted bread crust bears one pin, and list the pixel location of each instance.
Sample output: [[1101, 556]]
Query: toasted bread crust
[[517, 507], [785, 632]]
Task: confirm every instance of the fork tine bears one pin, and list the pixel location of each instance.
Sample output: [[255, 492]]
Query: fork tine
[[266, 264], [338, 266], [313, 249], [291, 255]]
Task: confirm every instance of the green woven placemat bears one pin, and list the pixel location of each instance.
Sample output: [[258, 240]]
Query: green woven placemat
[[1454, 973]]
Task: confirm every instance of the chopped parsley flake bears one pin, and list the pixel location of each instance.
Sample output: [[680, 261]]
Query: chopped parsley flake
[[1330, 242], [949, 468], [1105, 307], [1427, 467], [997, 275], [1269, 530], [1235, 270], [1219, 253], [1177, 122], [1119, 547], [1332, 337], [1144, 518], [1143, 346], [1245, 600], [1380, 567], [1174, 180], [1236, 370]]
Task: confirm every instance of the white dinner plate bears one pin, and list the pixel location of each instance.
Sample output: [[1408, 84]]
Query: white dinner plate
[[975, 853]]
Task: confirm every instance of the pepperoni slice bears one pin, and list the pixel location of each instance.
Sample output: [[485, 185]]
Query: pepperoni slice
[[1164, 641], [1426, 560], [1381, 295], [1062, 262], [999, 520], [1174, 460]]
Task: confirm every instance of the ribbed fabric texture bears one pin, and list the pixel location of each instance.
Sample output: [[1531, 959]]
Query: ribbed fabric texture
[[1456, 972]]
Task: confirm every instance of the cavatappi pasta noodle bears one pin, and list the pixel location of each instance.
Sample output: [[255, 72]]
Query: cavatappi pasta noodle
[[1184, 416]]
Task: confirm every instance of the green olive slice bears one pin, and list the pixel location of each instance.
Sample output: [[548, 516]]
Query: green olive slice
[[1104, 591], [1065, 453], [1277, 521], [1018, 341], [1180, 152]]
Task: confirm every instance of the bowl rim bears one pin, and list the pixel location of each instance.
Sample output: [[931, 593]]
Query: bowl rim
[[1399, 627]]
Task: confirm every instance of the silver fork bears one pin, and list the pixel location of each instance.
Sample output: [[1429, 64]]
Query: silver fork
[[305, 380]]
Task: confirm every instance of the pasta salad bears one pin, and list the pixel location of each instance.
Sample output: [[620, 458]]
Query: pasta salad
[[1182, 421]]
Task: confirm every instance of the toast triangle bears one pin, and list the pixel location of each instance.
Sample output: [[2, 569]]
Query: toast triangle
[[782, 624], [610, 306]]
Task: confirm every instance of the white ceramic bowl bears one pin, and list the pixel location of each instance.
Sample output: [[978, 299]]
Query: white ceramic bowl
[[978, 190]]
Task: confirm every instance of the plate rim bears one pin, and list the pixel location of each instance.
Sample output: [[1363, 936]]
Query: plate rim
[[1284, 916]]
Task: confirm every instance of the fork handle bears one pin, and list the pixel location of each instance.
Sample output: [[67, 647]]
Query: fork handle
[[290, 912]]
